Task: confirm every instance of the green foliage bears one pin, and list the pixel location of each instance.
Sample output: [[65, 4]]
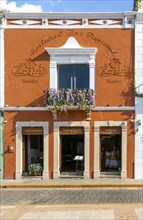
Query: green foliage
[[34, 169]]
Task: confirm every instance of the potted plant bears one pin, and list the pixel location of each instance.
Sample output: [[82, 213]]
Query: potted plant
[[35, 169]]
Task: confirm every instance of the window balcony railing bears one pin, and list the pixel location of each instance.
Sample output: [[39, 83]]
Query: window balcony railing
[[67, 99]]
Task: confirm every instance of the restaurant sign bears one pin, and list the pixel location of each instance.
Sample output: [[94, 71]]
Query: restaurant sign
[[71, 131]]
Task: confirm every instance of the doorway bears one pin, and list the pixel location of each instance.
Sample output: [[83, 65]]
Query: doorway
[[110, 145], [72, 155], [32, 154]]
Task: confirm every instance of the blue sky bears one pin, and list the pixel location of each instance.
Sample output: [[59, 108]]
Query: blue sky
[[67, 5]]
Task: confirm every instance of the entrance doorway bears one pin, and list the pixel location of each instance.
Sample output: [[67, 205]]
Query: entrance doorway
[[110, 153], [72, 155], [32, 155]]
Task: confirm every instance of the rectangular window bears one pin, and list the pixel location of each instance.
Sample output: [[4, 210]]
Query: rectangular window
[[73, 76]]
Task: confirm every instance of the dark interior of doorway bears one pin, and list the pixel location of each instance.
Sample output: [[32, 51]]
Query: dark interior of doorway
[[72, 146], [110, 153], [32, 152]]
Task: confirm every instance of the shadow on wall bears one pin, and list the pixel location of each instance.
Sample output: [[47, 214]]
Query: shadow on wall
[[40, 102], [128, 92]]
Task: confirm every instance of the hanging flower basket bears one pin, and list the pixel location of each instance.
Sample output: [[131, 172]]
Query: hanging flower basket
[[67, 99]]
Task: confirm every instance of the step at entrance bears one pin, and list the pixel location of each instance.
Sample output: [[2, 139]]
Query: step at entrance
[[110, 175]]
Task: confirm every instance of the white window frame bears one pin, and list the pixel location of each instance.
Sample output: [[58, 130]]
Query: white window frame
[[19, 126], [57, 125], [71, 53], [123, 125]]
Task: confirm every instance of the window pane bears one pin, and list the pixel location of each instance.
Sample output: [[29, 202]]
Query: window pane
[[64, 76], [81, 72], [74, 76]]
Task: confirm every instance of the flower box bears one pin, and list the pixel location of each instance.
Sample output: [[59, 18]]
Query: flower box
[[67, 99]]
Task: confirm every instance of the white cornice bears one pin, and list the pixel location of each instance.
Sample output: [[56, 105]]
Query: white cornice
[[68, 15], [71, 51], [71, 47]]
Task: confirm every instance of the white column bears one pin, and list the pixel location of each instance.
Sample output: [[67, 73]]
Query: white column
[[18, 172], [53, 73], [92, 75], [124, 153], [86, 152], [56, 152], [46, 153], [96, 152]]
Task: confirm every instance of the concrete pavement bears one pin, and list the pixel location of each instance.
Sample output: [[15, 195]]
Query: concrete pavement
[[72, 212]]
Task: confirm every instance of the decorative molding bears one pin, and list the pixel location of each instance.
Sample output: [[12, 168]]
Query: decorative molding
[[105, 22], [24, 22], [70, 20], [54, 112], [64, 22]]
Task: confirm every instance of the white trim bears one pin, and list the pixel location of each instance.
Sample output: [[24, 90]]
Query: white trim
[[57, 125], [67, 27], [19, 126], [71, 52], [1, 67], [97, 126], [49, 108]]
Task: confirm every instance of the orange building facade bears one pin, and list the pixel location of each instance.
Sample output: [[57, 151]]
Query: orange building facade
[[69, 95]]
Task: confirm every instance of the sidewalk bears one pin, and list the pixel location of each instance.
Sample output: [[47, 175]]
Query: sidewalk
[[38, 182]]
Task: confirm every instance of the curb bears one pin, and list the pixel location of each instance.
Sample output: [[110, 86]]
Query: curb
[[71, 186]]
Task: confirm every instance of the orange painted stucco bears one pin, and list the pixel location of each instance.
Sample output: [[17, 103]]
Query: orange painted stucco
[[114, 52], [10, 135]]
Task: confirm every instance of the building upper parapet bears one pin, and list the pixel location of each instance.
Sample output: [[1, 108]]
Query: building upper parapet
[[68, 20]]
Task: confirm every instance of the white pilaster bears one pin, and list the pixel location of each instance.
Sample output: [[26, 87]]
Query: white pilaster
[[124, 152], [86, 152], [56, 151], [46, 151], [96, 151], [18, 172]]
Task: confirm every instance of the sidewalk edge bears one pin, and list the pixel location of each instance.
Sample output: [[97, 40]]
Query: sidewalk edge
[[6, 186]]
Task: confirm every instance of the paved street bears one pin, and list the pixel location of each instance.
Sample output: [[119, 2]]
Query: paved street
[[70, 196], [71, 204]]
